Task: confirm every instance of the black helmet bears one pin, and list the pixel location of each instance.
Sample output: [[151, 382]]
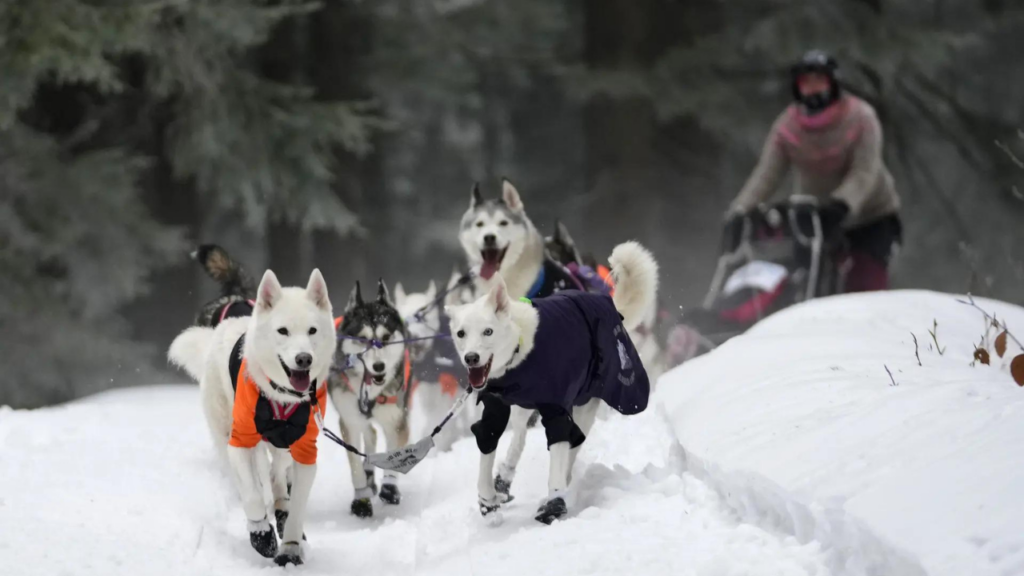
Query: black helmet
[[816, 61]]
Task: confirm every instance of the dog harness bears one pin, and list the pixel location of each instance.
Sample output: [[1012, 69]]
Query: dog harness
[[406, 378], [236, 309], [439, 363], [293, 426], [552, 278], [596, 281]]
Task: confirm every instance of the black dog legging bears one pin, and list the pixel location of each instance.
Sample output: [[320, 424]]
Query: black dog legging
[[557, 422]]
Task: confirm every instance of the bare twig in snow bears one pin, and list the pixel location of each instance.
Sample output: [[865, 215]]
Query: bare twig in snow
[[935, 337], [199, 539], [970, 302], [890, 376], [916, 352]]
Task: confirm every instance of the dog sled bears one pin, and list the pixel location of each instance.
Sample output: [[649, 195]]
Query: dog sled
[[773, 257]]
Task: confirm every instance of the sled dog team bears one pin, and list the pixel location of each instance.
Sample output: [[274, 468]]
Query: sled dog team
[[533, 336]]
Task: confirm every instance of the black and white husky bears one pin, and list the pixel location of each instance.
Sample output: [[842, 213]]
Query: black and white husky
[[562, 356], [370, 385], [262, 380], [498, 236]]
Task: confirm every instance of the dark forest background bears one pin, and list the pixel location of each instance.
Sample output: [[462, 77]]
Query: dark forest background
[[347, 134]]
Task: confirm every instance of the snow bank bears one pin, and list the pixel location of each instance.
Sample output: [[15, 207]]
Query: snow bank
[[798, 425]]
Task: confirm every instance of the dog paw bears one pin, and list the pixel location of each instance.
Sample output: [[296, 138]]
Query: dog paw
[[489, 506], [291, 553], [494, 519], [551, 510], [362, 508], [503, 487], [389, 494], [263, 538]]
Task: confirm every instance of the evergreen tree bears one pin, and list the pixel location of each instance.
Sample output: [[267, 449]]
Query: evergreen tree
[[95, 95]]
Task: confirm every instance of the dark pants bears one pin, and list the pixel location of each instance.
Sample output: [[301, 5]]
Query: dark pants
[[871, 248]]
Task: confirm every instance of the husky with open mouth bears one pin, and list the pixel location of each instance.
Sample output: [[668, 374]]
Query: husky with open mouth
[[498, 236], [370, 385], [561, 356], [262, 380]]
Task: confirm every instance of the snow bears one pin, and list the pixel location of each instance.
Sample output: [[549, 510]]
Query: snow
[[798, 423], [787, 451], [126, 483]]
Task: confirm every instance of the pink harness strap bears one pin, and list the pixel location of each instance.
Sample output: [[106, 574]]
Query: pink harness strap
[[283, 411], [224, 310]]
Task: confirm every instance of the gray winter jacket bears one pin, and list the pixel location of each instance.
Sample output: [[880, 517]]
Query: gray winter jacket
[[837, 154]]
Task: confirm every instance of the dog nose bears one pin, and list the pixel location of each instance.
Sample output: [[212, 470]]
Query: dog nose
[[472, 359], [378, 367], [490, 240], [303, 361]]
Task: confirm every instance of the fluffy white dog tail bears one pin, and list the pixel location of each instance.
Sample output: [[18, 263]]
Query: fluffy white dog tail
[[189, 350], [635, 274]]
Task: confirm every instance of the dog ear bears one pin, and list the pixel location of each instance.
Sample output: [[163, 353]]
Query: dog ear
[[383, 296], [562, 234], [475, 198], [316, 290], [399, 292], [456, 275], [432, 291], [269, 292], [510, 196], [355, 298], [498, 297]]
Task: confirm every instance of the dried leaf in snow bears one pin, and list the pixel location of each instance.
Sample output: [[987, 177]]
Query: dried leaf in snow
[[1017, 369], [1001, 344], [981, 355]]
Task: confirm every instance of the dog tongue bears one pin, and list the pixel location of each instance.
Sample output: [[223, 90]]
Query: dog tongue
[[299, 380], [492, 260]]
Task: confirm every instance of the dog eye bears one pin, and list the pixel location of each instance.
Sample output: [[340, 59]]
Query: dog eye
[[385, 338], [503, 223], [480, 224], [488, 332], [312, 331], [282, 331], [461, 334]]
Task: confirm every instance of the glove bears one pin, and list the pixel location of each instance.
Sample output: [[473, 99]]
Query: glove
[[834, 212], [732, 231]]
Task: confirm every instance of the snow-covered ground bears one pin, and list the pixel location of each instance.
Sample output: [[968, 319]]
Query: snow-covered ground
[[126, 483], [797, 457], [798, 423]]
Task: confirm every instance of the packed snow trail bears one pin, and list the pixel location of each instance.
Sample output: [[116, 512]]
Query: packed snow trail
[[126, 483]]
